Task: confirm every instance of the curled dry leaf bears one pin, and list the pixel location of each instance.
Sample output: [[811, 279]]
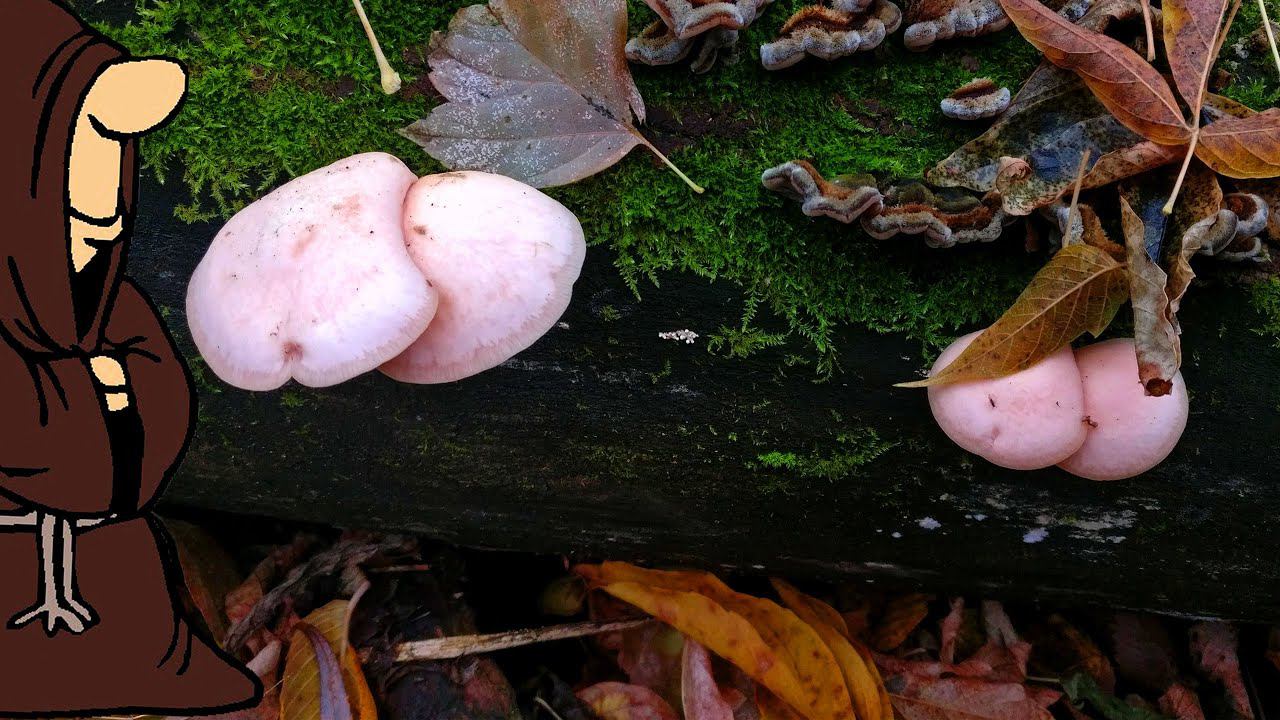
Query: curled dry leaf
[[1134, 92], [832, 32], [860, 675], [1031, 154], [1079, 290], [333, 621], [976, 100], [949, 631], [620, 701], [537, 90], [1181, 703], [929, 21], [704, 608], [1215, 648], [902, 615], [700, 695], [312, 685]]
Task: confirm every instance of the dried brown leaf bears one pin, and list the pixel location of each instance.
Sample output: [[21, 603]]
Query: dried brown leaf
[[1191, 40], [1130, 88], [538, 90], [620, 701], [699, 694], [1079, 290], [1214, 646], [902, 615], [1243, 147]]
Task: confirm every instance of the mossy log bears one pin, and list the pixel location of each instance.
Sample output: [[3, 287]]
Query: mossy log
[[605, 440]]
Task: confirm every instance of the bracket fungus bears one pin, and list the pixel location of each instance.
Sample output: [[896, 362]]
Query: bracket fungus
[[844, 198], [829, 33], [1129, 432], [976, 100], [944, 216], [503, 258], [1025, 421], [711, 26], [312, 281], [929, 21]]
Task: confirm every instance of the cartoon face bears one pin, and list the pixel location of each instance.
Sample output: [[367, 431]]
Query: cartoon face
[[128, 99]]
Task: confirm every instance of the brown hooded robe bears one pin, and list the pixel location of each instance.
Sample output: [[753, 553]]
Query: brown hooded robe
[[56, 452]]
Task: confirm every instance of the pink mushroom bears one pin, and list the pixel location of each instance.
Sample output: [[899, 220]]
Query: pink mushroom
[[1028, 420], [1128, 431], [503, 257], [312, 281]]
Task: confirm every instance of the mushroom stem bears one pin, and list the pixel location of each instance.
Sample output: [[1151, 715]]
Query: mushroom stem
[[390, 78], [1271, 38]]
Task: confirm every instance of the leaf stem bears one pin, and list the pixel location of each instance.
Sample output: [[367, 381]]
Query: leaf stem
[[1271, 38], [1151, 40], [390, 78], [695, 186], [463, 645], [1199, 106], [1075, 200]]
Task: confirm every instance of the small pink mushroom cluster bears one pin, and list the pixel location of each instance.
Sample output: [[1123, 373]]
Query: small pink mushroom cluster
[[1085, 412], [362, 265]]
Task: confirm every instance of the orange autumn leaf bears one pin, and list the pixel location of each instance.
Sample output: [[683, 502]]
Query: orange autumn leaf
[[1130, 88], [886, 703], [901, 616], [771, 708], [864, 687], [331, 620], [819, 693], [312, 686], [1243, 147], [1191, 40]]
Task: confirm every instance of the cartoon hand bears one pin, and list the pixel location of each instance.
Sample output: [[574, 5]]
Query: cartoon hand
[[110, 373]]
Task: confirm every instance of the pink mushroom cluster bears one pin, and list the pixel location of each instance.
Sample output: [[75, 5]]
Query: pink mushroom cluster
[[1084, 411], [361, 265]]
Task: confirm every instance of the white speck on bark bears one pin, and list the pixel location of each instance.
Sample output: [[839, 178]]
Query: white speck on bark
[[1035, 536], [685, 336], [928, 523]]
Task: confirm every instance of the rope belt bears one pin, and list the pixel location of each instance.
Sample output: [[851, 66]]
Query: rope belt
[[55, 546]]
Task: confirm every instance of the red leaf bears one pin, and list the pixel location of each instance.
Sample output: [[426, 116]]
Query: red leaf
[[1213, 645], [699, 692], [620, 701]]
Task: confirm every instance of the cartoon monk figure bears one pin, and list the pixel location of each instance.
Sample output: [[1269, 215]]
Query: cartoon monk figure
[[96, 407]]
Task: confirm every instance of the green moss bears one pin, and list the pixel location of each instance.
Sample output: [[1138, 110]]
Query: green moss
[[853, 450], [283, 87], [1266, 298]]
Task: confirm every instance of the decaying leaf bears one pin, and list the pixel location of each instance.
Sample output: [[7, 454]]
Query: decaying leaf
[[537, 90], [976, 100], [1131, 89], [902, 615], [861, 678], [1079, 290], [332, 620], [651, 656], [930, 21], [700, 695], [845, 197], [1062, 648], [209, 571], [707, 610], [830, 32], [1247, 147], [1143, 652], [312, 685], [1215, 648], [1180, 702], [1191, 40], [620, 701], [1031, 154], [959, 698], [949, 631]]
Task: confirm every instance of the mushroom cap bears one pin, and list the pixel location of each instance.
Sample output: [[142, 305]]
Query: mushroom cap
[[1129, 431], [503, 257], [1025, 421], [312, 281]]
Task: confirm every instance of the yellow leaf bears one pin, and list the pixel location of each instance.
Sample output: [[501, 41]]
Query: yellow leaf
[[332, 622], [312, 687], [812, 682], [1078, 290], [864, 688]]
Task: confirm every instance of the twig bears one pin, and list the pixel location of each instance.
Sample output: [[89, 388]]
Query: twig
[[460, 645], [1199, 107], [547, 706], [390, 78], [1271, 38], [1075, 200], [1151, 39]]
